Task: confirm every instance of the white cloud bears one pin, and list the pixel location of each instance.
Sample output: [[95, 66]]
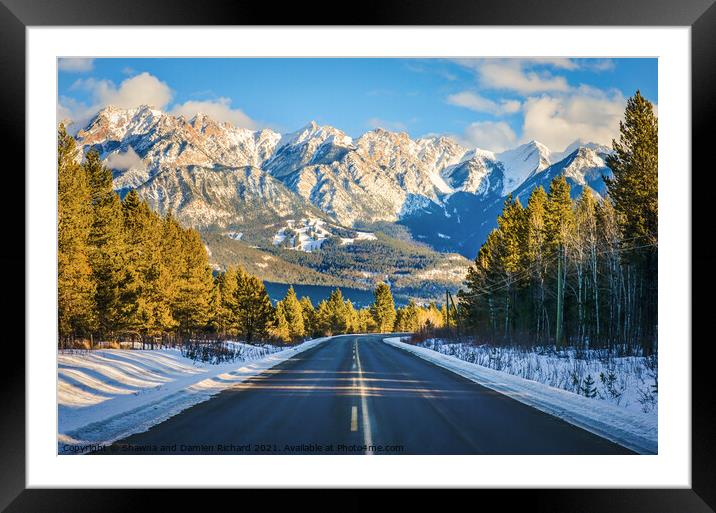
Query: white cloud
[[395, 126], [495, 136], [218, 110], [141, 89], [556, 62], [75, 64], [588, 114], [75, 115], [512, 75], [524, 76], [126, 160], [599, 64], [478, 103]]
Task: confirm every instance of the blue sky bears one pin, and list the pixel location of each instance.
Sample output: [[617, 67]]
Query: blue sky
[[489, 103]]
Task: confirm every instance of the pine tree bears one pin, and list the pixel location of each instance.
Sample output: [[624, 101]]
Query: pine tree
[[634, 164], [407, 318], [335, 316], [294, 315], [558, 223], [280, 328], [135, 309], [352, 320], [536, 261], [511, 233], [309, 316], [227, 322], [106, 240], [588, 389], [191, 307], [634, 191], [171, 268], [254, 311], [322, 320], [383, 308], [76, 286], [366, 323], [476, 300]]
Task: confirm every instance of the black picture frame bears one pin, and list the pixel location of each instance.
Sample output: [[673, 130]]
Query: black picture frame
[[700, 15]]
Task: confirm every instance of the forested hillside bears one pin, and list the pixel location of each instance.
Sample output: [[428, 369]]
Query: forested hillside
[[576, 272], [126, 273]]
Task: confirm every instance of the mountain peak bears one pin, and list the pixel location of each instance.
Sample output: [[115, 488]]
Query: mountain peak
[[316, 134], [522, 162], [578, 144]]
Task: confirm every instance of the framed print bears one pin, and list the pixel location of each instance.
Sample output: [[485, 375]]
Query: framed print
[[421, 251]]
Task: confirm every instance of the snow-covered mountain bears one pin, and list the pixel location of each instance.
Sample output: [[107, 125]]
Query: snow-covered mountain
[[221, 196], [214, 174], [523, 162], [583, 167], [138, 143]]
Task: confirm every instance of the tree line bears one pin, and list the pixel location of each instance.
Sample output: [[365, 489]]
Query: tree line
[[576, 272], [126, 273]]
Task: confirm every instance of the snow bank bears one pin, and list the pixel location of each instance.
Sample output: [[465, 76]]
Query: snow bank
[[632, 429], [106, 395], [625, 381]]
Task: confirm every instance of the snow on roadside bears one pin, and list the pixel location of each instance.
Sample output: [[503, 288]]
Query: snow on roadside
[[106, 395], [625, 381], [632, 429]]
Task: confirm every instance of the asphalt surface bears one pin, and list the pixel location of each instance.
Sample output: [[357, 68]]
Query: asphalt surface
[[355, 394]]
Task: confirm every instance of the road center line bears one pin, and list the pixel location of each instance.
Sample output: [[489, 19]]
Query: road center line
[[354, 418], [367, 436]]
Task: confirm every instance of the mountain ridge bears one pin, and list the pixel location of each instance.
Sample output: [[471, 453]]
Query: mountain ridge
[[210, 173]]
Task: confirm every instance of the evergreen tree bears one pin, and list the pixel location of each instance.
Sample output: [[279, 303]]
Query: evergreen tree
[[634, 164], [558, 223], [135, 310], [192, 303], [509, 258], [588, 389], [294, 315], [634, 191], [321, 320], [171, 267], [254, 312], [106, 241], [352, 320], [366, 323], [536, 261], [280, 328], [227, 322], [578, 272], [335, 315], [76, 287], [309, 316], [383, 308], [407, 318]]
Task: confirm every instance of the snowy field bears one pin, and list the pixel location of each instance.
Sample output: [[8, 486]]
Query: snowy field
[[106, 395], [309, 235], [621, 405]]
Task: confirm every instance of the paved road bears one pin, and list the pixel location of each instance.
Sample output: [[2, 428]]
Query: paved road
[[355, 394]]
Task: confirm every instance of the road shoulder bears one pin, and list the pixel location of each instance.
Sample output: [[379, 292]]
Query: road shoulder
[[631, 430]]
